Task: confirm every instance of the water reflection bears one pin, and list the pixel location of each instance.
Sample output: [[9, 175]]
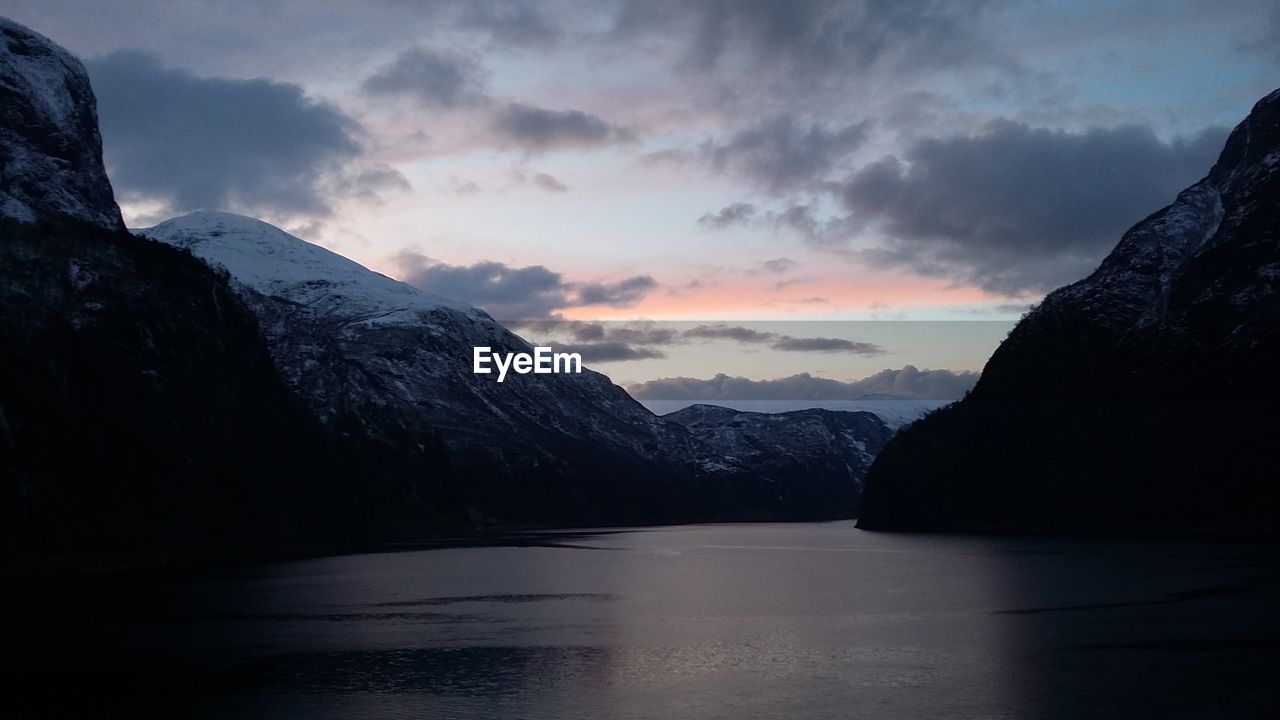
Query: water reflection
[[810, 621], [1142, 629]]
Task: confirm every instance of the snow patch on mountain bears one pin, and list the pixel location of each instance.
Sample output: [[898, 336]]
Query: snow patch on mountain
[[372, 354], [270, 261]]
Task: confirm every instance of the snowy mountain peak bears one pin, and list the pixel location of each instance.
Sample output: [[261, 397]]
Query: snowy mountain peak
[[50, 150], [274, 263]]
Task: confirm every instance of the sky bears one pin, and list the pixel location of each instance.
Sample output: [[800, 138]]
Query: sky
[[704, 161]]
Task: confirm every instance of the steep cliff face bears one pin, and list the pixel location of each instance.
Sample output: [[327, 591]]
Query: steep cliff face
[[50, 150], [141, 418], [1140, 399]]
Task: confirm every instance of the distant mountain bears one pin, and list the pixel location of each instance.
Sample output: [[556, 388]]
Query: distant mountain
[[1140, 399], [894, 412], [816, 459]]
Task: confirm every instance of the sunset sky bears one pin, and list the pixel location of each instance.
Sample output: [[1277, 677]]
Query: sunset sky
[[678, 160]]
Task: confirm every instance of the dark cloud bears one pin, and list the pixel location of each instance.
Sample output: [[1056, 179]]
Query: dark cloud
[[435, 78], [907, 383], [783, 155], [643, 335], [462, 186], [536, 129], [807, 40], [738, 213], [509, 23], [1017, 208], [581, 331], [648, 333], [600, 342], [791, 344], [501, 290], [604, 352], [618, 294], [516, 293], [668, 156], [801, 219], [777, 341], [737, 333], [549, 183], [791, 282], [1014, 308], [796, 218], [194, 143], [371, 183], [778, 266]]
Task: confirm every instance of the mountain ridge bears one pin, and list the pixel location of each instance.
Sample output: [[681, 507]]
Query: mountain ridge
[[1139, 399], [372, 353]]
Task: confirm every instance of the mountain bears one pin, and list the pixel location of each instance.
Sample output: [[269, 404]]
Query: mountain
[[817, 459], [220, 390], [142, 421], [375, 354], [51, 165], [1140, 399]]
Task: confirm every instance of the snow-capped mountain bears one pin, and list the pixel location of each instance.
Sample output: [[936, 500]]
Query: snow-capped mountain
[[1140, 398], [232, 391], [815, 458], [377, 357], [373, 355], [142, 421], [52, 160], [274, 263]]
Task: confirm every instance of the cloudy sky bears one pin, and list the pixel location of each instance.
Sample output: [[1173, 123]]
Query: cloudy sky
[[703, 160]]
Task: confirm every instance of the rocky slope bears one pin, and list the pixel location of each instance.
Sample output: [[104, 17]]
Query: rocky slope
[[1140, 399], [50, 150], [816, 459]]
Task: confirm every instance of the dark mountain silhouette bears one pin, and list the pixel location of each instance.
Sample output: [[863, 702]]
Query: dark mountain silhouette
[[1141, 399], [141, 418]]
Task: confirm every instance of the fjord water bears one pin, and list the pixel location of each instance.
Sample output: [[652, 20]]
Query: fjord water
[[730, 621]]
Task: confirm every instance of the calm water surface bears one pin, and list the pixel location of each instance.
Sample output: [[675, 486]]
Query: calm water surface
[[730, 621]]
